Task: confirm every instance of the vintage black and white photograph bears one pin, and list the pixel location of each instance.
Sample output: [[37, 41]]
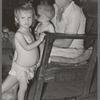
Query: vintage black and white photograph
[[49, 50]]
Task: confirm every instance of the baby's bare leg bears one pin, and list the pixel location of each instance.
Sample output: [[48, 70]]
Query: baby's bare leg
[[8, 83], [22, 88]]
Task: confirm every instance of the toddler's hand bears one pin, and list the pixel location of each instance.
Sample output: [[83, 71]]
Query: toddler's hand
[[42, 36]]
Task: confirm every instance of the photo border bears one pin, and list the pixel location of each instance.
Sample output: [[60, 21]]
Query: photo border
[[0, 46], [98, 78]]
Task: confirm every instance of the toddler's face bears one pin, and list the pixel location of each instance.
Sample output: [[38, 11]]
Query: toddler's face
[[25, 18]]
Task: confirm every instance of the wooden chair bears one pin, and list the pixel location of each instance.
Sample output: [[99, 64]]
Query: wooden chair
[[80, 88], [61, 80]]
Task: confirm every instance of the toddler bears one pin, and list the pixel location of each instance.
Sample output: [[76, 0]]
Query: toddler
[[26, 55]]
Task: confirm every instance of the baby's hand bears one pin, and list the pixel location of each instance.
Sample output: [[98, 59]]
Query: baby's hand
[[42, 36]]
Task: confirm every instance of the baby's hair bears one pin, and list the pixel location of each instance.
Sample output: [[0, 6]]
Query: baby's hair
[[47, 10], [23, 6]]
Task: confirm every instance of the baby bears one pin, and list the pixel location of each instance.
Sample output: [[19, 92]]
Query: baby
[[45, 13]]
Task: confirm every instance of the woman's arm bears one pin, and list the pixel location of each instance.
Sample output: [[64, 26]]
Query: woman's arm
[[71, 28]]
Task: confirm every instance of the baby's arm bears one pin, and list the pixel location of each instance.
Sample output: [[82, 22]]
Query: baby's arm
[[20, 38], [41, 47], [51, 28], [15, 56]]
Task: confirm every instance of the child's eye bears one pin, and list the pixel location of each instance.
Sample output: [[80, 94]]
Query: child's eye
[[30, 17], [22, 17]]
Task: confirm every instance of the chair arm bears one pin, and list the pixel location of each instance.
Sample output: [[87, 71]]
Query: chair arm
[[50, 37], [69, 36]]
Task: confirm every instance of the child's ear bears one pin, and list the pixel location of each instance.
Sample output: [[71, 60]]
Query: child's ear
[[16, 19]]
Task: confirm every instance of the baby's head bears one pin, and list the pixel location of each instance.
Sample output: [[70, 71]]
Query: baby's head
[[46, 10], [22, 8]]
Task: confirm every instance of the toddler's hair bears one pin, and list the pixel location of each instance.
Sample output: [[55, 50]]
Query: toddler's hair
[[23, 6], [47, 10]]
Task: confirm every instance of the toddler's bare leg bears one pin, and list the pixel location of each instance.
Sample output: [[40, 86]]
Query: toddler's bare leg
[[22, 88], [11, 94], [8, 83], [15, 88]]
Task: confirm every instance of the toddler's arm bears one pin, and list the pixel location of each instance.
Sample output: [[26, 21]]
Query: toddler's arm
[[20, 38]]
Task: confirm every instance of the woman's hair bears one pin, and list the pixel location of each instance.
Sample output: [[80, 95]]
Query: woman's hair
[[23, 6], [47, 10]]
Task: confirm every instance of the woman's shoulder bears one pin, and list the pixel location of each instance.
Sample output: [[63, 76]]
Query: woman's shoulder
[[76, 9]]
